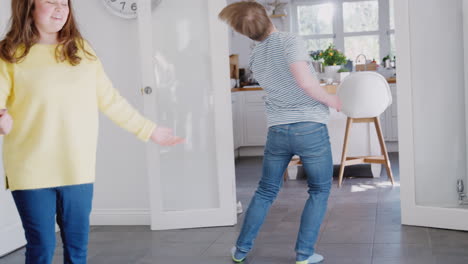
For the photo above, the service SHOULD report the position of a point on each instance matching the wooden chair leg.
(349, 122)
(384, 149)
(286, 175)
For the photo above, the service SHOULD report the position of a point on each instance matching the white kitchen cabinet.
(251, 130)
(249, 118)
(389, 118)
(394, 115)
(255, 130)
(254, 117)
(237, 124)
(250, 124)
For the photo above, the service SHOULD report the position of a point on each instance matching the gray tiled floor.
(362, 226)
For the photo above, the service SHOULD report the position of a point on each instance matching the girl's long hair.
(23, 34)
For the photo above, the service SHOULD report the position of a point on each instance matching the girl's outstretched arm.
(113, 105)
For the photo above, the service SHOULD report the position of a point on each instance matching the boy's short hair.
(249, 18)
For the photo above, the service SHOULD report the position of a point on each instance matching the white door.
(184, 54)
(432, 110)
(11, 231)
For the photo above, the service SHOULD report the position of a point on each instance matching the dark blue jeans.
(310, 141)
(40, 208)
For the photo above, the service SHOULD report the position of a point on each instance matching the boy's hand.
(6, 122)
(335, 102)
(164, 136)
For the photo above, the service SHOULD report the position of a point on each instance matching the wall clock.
(126, 8)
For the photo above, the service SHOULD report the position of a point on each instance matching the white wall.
(438, 99)
(4, 15)
(121, 192)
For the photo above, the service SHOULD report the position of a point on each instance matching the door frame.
(411, 212)
(225, 215)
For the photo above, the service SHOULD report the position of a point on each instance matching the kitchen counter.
(330, 88)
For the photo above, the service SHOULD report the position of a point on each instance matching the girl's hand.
(164, 136)
(6, 122)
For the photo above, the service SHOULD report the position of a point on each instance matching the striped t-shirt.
(285, 102)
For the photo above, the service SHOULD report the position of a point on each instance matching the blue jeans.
(310, 141)
(39, 208)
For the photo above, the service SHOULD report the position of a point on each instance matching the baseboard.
(120, 217)
(392, 146)
(251, 151)
(236, 153)
(12, 238)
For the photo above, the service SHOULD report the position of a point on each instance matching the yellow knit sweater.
(55, 109)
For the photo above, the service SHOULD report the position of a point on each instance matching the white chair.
(364, 96)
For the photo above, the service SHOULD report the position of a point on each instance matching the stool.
(383, 159)
(364, 96)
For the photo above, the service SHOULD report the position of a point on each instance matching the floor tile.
(362, 226)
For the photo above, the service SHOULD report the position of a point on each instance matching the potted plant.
(333, 59)
(317, 61)
(386, 61)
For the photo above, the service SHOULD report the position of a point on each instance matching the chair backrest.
(364, 94)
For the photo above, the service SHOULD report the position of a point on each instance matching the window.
(361, 29)
(316, 24)
(392, 13)
(360, 16)
(392, 45)
(315, 19)
(391, 32)
(367, 45)
(318, 44)
(354, 26)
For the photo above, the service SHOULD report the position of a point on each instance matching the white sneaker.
(239, 208)
(315, 258)
(233, 253)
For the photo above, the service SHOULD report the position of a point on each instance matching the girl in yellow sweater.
(52, 87)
